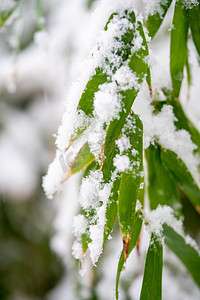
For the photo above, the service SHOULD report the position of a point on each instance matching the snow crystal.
(123, 143)
(188, 4)
(77, 250)
(79, 225)
(121, 162)
(107, 102)
(90, 187)
(154, 6)
(125, 78)
(95, 247)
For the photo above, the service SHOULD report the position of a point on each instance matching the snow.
(122, 163)
(165, 215)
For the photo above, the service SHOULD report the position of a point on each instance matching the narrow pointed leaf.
(155, 19)
(152, 280)
(162, 188)
(178, 48)
(86, 102)
(184, 251)
(182, 175)
(139, 67)
(130, 179)
(195, 25)
(137, 225)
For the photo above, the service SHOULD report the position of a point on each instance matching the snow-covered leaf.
(155, 19)
(131, 178)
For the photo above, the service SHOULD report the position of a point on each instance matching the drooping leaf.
(137, 224)
(178, 47)
(131, 178)
(162, 188)
(184, 251)
(152, 280)
(139, 67)
(182, 175)
(195, 25)
(86, 102)
(82, 160)
(155, 20)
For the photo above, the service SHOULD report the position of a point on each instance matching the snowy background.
(37, 69)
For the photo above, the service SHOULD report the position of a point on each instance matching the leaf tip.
(126, 242)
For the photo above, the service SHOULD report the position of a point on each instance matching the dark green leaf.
(184, 251)
(178, 48)
(152, 280)
(137, 224)
(195, 25)
(162, 188)
(155, 20)
(131, 179)
(181, 174)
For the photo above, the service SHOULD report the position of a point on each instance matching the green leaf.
(111, 210)
(152, 280)
(139, 67)
(162, 188)
(195, 25)
(155, 20)
(87, 99)
(178, 47)
(137, 225)
(86, 102)
(184, 251)
(82, 160)
(182, 175)
(131, 178)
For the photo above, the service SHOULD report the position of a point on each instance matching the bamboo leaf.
(86, 102)
(130, 179)
(137, 224)
(152, 280)
(182, 175)
(195, 25)
(155, 20)
(184, 251)
(178, 47)
(82, 160)
(162, 188)
(139, 67)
